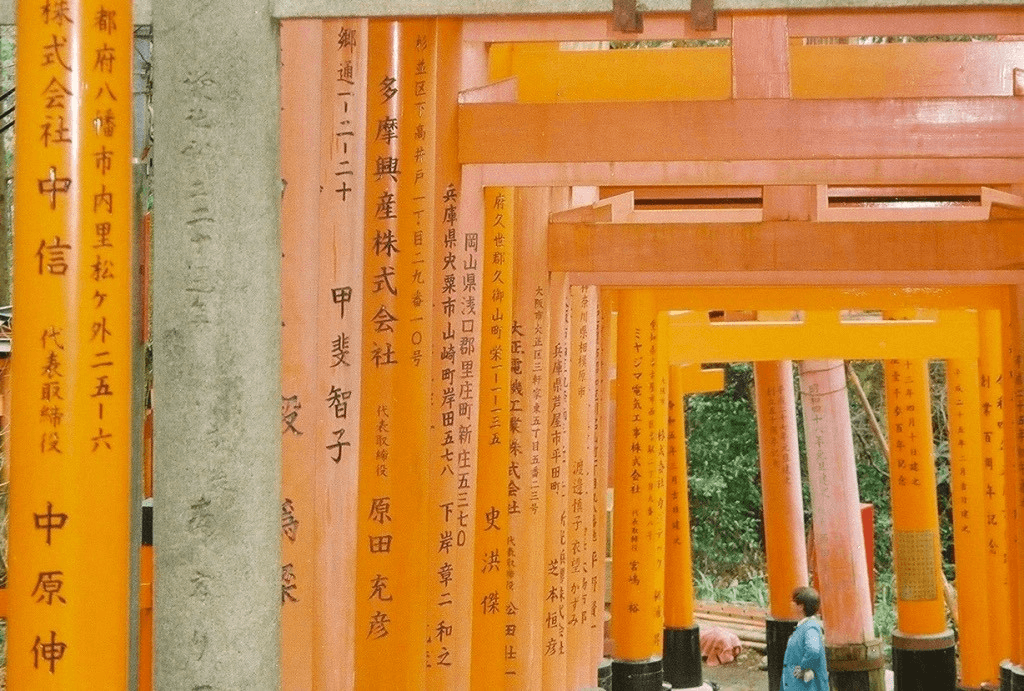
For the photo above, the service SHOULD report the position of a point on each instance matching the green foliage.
(725, 490)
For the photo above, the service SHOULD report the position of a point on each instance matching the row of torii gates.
(486, 240)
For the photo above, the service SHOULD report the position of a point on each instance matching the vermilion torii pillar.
(855, 658)
(71, 409)
(782, 498)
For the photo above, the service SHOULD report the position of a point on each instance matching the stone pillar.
(855, 659)
(217, 323)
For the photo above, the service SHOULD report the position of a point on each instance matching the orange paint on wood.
(529, 405)
(968, 489)
(146, 618)
(755, 129)
(583, 509)
(450, 565)
(1012, 453)
(556, 483)
(300, 154)
(605, 448)
(990, 372)
(678, 556)
(71, 372)
(760, 56)
(841, 573)
(338, 308)
(917, 559)
(781, 488)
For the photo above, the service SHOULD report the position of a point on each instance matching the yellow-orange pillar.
(990, 373)
(490, 597)
(854, 654)
(301, 61)
(638, 572)
(390, 589)
(529, 442)
(783, 504)
(1011, 338)
(449, 572)
(71, 407)
(605, 448)
(556, 488)
(339, 292)
(923, 647)
(1016, 430)
(580, 668)
(969, 541)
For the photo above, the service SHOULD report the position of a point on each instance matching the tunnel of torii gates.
(500, 255)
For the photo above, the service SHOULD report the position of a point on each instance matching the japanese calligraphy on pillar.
(556, 550)
(528, 405)
(300, 130)
(340, 298)
(582, 508)
(71, 408)
(490, 595)
(390, 613)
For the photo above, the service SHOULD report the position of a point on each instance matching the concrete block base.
(682, 660)
(645, 675)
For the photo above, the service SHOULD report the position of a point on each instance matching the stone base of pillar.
(1005, 676)
(1017, 678)
(924, 663)
(856, 667)
(604, 675)
(682, 660)
(777, 633)
(645, 675)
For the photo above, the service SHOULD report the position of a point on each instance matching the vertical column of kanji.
(682, 635)
(968, 485)
(389, 612)
(990, 372)
(339, 300)
(300, 152)
(528, 442)
(922, 646)
(69, 511)
(658, 476)
(782, 498)
(556, 488)
(637, 619)
(1015, 323)
(580, 670)
(448, 572)
(491, 564)
(1011, 346)
(604, 449)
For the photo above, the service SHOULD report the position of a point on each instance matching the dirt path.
(740, 675)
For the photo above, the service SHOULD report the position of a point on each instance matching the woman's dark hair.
(807, 597)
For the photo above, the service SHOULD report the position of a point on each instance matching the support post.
(782, 497)
(71, 430)
(968, 484)
(923, 654)
(855, 659)
(681, 647)
(637, 558)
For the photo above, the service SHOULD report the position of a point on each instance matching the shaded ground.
(740, 675)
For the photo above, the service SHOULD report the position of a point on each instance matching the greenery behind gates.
(725, 485)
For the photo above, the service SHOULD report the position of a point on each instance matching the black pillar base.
(924, 663)
(637, 676)
(859, 667)
(1005, 675)
(604, 675)
(1017, 678)
(777, 633)
(681, 661)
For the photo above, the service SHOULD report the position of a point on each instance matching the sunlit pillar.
(782, 497)
(637, 559)
(855, 658)
(990, 373)
(491, 562)
(71, 407)
(969, 541)
(1015, 495)
(605, 449)
(922, 647)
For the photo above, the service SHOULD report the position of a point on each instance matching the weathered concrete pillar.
(855, 660)
(216, 334)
